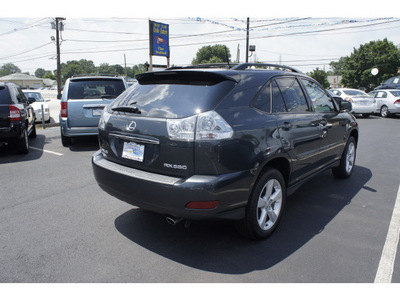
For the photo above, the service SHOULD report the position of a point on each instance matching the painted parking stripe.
(47, 151)
(386, 264)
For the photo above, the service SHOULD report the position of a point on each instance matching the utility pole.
(247, 40)
(58, 24)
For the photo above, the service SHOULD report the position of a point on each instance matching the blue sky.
(305, 35)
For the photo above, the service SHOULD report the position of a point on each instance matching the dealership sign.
(159, 39)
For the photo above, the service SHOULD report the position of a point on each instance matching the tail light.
(205, 126)
(397, 102)
(64, 109)
(15, 113)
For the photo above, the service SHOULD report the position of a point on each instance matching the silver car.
(362, 103)
(82, 102)
(387, 102)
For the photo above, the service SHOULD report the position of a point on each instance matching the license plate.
(97, 112)
(133, 151)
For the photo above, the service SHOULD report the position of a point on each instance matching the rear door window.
(292, 94)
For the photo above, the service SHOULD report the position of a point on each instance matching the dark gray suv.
(201, 143)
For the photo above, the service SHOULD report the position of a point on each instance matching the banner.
(159, 39)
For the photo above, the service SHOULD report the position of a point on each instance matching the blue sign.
(159, 39)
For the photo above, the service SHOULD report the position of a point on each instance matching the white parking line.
(386, 264)
(47, 151)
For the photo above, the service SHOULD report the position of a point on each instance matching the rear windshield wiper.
(130, 109)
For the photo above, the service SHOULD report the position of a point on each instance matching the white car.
(362, 103)
(387, 102)
(37, 105)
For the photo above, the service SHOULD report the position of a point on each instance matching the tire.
(65, 140)
(265, 206)
(23, 143)
(384, 111)
(347, 161)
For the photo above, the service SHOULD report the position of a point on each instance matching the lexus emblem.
(131, 126)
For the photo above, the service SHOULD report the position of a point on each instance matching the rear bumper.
(77, 131)
(169, 195)
(10, 133)
(363, 109)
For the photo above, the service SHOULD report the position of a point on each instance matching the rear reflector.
(64, 109)
(202, 204)
(15, 113)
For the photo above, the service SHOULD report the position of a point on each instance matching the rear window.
(176, 95)
(95, 88)
(354, 93)
(4, 95)
(395, 93)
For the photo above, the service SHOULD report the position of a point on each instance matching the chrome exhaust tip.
(173, 220)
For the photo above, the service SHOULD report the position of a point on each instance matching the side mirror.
(345, 106)
(31, 100)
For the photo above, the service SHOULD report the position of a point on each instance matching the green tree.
(321, 76)
(8, 69)
(40, 72)
(110, 69)
(136, 69)
(212, 54)
(356, 69)
(75, 67)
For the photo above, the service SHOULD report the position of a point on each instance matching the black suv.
(201, 143)
(17, 117)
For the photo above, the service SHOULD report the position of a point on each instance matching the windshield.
(95, 88)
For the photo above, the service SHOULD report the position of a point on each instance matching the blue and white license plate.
(133, 151)
(97, 112)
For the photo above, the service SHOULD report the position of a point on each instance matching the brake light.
(15, 113)
(64, 109)
(397, 102)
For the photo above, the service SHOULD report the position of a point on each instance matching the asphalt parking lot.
(57, 225)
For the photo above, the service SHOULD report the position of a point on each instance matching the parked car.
(391, 83)
(222, 143)
(17, 117)
(82, 102)
(362, 103)
(37, 105)
(387, 102)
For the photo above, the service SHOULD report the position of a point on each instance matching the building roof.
(19, 76)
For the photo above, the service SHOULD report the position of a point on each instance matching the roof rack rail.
(203, 66)
(244, 66)
(235, 66)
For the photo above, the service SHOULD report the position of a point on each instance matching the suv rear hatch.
(150, 127)
(88, 96)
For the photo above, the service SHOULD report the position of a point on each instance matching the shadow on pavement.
(215, 246)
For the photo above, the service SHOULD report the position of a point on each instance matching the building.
(27, 81)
